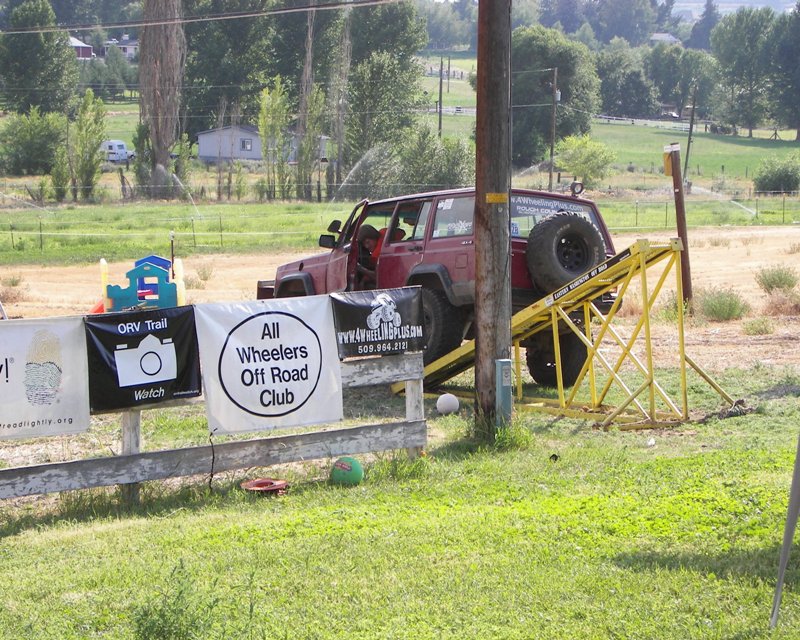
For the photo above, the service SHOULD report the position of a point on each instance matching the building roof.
(244, 127)
(74, 42)
(664, 37)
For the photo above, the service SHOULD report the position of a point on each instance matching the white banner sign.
(44, 389)
(269, 364)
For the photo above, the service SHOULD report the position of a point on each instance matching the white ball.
(447, 403)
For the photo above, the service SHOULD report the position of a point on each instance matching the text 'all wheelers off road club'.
(258, 365)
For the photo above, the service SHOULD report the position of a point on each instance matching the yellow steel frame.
(644, 405)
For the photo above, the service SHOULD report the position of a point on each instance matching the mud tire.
(541, 360)
(560, 248)
(443, 325)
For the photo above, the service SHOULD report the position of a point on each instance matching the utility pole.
(441, 73)
(691, 130)
(553, 127)
(492, 221)
(672, 167)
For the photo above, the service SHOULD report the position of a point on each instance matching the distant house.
(665, 38)
(239, 142)
(82, 50)
(128, 47)
(242, 142)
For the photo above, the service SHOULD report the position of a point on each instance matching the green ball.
(347, 471)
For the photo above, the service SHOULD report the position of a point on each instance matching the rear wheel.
(541, 359)
(560, 248)
(443, 325)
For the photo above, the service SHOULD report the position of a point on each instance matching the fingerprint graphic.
(43, 368)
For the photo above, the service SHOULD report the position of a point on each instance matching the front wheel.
(443, 325)
(541, 358)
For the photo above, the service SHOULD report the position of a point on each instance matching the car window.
(378, 215)
(454, 217)
(410, 221)
(527, 210)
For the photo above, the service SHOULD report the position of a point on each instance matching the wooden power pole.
(492, 222)
(672, 167)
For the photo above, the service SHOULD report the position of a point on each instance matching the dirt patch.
(726, 257)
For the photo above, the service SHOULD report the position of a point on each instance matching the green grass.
(666, 534)
(711, 156)
(86, 233)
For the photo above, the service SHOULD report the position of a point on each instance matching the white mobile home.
(238, 142)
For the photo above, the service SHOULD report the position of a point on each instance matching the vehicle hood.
(311, 263)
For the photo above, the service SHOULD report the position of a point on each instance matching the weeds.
(783, 303)
(758, 327)
(204, 271)
(793, 248)
(179, 612)
(776, 278)
(193, 282)
(751, 240)
(719, 242)
(513, 436)
(720, 305)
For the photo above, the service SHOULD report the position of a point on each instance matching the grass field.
(561, 531)
(83, 234)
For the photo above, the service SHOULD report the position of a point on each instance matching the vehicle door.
(451, 242)
(336, 275)
(378, 215)
(404, 243)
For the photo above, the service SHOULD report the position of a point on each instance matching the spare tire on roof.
(560, 248)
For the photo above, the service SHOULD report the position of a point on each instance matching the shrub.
(758, 327)
(778, 175)
(28, 143)
(776, 278)
(720, 305)
(783, 303)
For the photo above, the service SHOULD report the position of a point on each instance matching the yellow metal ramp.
(647, 402)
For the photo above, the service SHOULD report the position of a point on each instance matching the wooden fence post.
(131, 442)
(415, 408)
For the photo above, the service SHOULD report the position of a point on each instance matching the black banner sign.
(378, 322)
(142, 357)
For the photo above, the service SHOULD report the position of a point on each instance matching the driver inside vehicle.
(365, 267)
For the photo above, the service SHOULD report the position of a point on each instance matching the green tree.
(38, 69)
(273, 129)
(664, 68)
(60, 175)
(89, 133)
(785, 72)
(624, 88)
(535, 51)
(633, 20)
(585, 158)
(740, 43)
(700, 37)
(445, 27)
(427, 162)
(308, 150)
(384, 95)
(28, 143)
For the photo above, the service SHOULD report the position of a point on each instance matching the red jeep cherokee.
(427, 239)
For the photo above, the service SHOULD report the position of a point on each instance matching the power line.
(341, 4)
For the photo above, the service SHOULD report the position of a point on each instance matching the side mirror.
(334, 226)
(327, 241)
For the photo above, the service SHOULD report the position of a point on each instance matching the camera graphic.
(152, 361)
